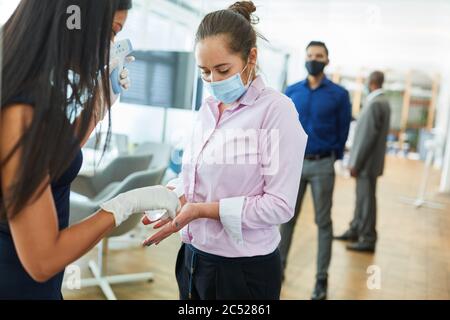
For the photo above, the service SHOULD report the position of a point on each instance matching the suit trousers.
(320, 175)
(365, 215)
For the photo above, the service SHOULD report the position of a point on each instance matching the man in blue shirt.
(325, 113)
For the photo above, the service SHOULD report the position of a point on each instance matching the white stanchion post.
(420, 200)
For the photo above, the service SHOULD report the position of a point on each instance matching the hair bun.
(245, 8)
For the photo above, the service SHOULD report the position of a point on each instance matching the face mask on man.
(229, 90)
(315, 67)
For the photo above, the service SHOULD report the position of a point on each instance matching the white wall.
(400, 34)
(6, 9)
(443, 131)
(445, 180)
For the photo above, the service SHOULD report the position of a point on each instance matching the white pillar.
(445, 178)
(442, 129)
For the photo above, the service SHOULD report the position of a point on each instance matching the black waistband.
(217, 258)
(319, 156)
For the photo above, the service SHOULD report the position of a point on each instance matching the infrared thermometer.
(120, 49)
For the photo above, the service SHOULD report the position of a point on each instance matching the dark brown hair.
(377, 78)
(125, 5)
(237, 23)
(318, 44)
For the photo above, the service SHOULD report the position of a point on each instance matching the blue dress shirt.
(325, 114)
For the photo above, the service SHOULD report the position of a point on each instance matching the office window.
(162, 79)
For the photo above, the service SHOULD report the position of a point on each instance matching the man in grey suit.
(367, 164)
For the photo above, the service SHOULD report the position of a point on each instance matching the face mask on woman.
(229, 90)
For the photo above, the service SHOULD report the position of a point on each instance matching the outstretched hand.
(188, 213)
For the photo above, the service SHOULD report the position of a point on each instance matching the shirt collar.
(325, 81)
(253, 92)
(374, 94)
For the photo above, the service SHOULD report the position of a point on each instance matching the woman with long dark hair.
(55, 89)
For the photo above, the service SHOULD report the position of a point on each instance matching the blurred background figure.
(367, 164)
(325, 114)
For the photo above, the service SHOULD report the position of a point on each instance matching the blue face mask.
(228, 90)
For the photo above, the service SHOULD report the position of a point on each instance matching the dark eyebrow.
(217, 66)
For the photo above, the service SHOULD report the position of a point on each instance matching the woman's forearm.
(73, 242)
(208, 210)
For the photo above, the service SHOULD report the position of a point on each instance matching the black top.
(15, 283)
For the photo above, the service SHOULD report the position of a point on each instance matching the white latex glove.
(125, 81)
(178, 189)
(141, 200)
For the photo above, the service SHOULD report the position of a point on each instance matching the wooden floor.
(413, 250)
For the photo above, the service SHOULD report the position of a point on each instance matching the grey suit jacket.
(369, 145)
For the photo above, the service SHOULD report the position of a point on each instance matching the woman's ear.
(253, 57)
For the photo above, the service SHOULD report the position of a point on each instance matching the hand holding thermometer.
(120, 50)
(155, 215)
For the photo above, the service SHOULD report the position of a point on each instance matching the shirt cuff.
(178, 185)
(230, 212)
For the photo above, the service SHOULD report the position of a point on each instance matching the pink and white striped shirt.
(250, 161)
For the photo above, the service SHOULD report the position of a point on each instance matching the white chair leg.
(100, 278)
(128, 278)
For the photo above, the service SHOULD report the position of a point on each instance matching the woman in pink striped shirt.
(241, 170)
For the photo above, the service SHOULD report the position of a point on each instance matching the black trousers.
(202, 276)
